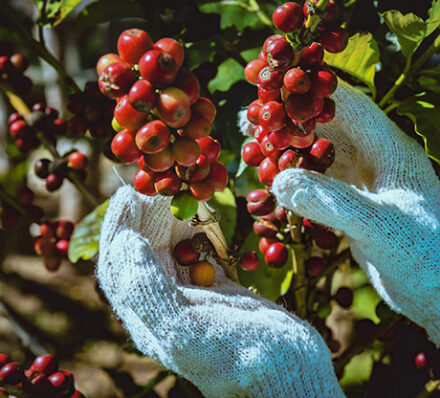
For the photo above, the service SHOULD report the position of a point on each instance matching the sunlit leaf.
(359, 59)
(224, 203)
(85, 239)
(433, 22)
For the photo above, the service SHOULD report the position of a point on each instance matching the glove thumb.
(327, 201)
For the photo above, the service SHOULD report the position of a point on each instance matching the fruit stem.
(314, 18)
(19, 105)
(298, 260)
(210, 223)
(260, 13)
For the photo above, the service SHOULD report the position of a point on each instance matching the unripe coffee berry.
(202, 273)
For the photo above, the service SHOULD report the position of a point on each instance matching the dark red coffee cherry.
(322, 154)
(167, 183)
(327, 240)
(334, 40)
(132, 44)
(210, 148)
(279, 54)
(158, 67)
(297, 81)
(249, 261)
(116, 79)
(267, 171)
(328, 111)
(185, 254)
(312, 55)
(53, 182)
(344, 297)
(315, 265)
(288, 17)
(142, 96)
(324, 83)
(264, 244)
(276, 255)
(270, 79)
(260, 202)
(421, 360)
(47, 364)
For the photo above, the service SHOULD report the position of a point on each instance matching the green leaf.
(55, 10)
(247, 182)
(423, 111)
(238, 14)
(198, 53)
(409, 29)
(229, 72)
(269, 282)
(85, 239)
(433, 22)
(224, 203)
(430, 79)
(359, 59)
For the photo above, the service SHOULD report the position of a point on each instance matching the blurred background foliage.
(64, 311)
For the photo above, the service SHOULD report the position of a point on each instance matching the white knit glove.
(383, 193)
(225, 339)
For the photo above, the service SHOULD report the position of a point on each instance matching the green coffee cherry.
(184, 206)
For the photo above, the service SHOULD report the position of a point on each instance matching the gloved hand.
(383, 193)
(225, 339)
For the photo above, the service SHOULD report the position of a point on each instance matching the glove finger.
(327, 201)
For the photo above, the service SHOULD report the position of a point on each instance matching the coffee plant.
(205, 102)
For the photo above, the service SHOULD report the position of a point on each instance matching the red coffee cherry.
(270, 79)
(77, 160)
(142, 96)
(297, 81)
(194, 173)
(132, 44)
(48, 229)
(300, 107)
(128, 117)
(269, 150)
(153, 137)
(219, 176)
(252, 70)
(103, 62)
(264, 244)
(268, 95)
(173, 107)
(202, 273)
(268, 41)
(25, 196)
(158, 162)
(265, 228)
(4, 359)
(204, 106)
(319, 106)
(312, 55)
(189, 84)
(260, 202)
(344, 297)
(334, 40)
(62, 248)
(197, 127)
(253, 111)
(124, 146)
(276, 255)
(281, 214)
(19, 129)
(144, 182)
(185, 254)
(279, 54)
(328, 111)
(280, 139)
(315, 265)
(158, 67)
(322, 154)
(210, 148)
(60, 382)
(171, 47)
(421, 360)
(260, 133)
(116, 79)
(53, 182)
(249, 261)
(11, 373)
(185, 151)
(202, 190)
(13, 117)
(313, 229)
(290, 159)
(40, 384)
(267, 171)
(324, 83)
(288, 17)
(272, 116)
(167, 183)
(64, 230)
(77, 394)
(252, 154)
(327, 240)
(47, 364)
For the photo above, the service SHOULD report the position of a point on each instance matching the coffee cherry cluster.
(54, 172)
(42, 379)
(92, 112)
(11, 72)
(53, 242)
(162, 122)
(187, 253)
(10, 217)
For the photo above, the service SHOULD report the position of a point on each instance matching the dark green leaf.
(409, 29)
(224, 203)
(238, 14)
(423, 111)
(359, 59)
(433, 22)
(198, 53)
(430, 79)
(228, 73)
(247, 182)
(269, 282)
(85, 239)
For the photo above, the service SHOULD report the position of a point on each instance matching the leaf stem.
(260, 13)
